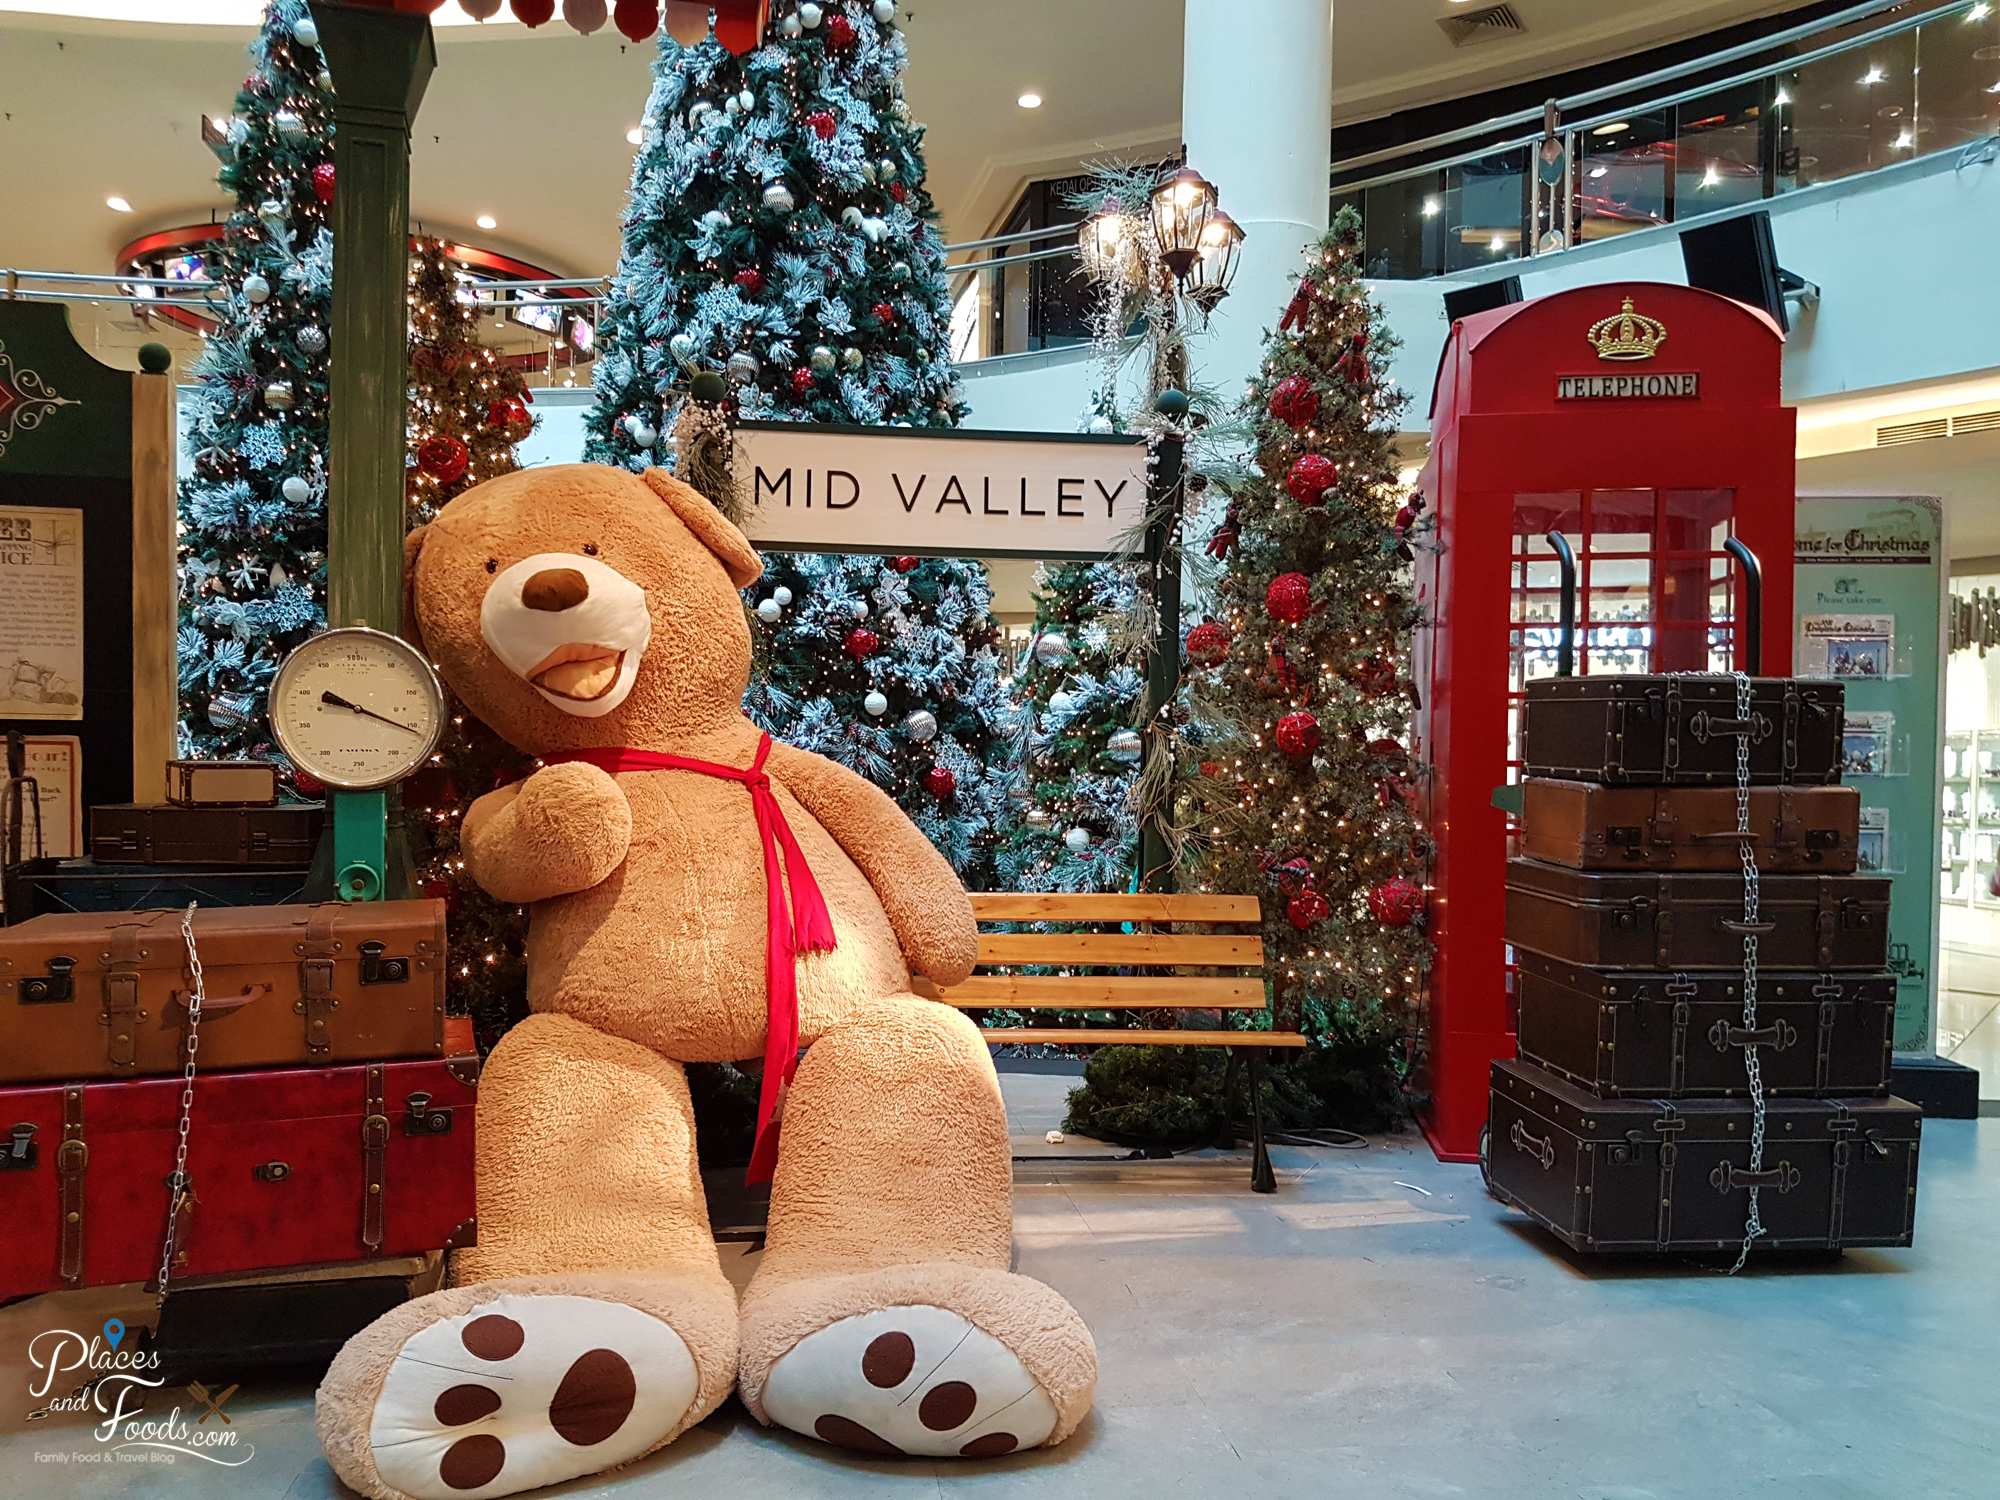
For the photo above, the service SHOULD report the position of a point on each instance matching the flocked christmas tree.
(1310, 799)
(253, 508)
(467, 410)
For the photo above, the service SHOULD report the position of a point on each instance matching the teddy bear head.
(580, 605)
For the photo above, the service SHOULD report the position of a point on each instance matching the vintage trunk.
(1611, 1175)
(138, 834)
(1589, 826)
(1679, 730)
(1626, 1031)
(1643, 920)
(106, 996)
(291, 1167)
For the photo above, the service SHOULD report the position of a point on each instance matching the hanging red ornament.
(905, 564)
(1297, 733)
(1289, 598)
(750, 279)
(821, 121)
(839, 32)
(940, 783)
(802, 380)
(1353, 363)
(445, 459)
(1396, 902)
(1307, 909)
(637, 19)
(884, 314)
(323, 182)
(1309, 477)
(532, 13)
(307, 784)
(1294, 401)
(861, 642)
(1207, 644)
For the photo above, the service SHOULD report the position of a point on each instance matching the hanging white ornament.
(296, 490)
(1077, 839)
(883, 11)
(256, 288)
(770, 611)
(920, 724)
(778, 196)
(305, 32)
(1124, 745)
(876, 703)
(743, 367)
(1052, 648)
(809, 15)
(783, 595)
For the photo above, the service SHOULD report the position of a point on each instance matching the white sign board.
(947, 493)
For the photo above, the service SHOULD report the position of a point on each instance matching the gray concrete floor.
(1376, 1328)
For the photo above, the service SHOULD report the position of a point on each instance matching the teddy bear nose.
(555, 589)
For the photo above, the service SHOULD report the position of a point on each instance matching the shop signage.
(898, 489)
(1625, 387)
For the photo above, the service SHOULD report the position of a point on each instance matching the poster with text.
(41, 613)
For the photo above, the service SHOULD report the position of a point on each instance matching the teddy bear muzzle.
(572, 627)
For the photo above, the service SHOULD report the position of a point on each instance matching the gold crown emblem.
(1627, 335)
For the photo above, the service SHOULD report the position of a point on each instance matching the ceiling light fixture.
(487, 221)
(1030, 101)
(117, 204)
(635, 135)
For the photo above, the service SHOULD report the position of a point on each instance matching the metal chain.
(197, 994)
(1752, 1064)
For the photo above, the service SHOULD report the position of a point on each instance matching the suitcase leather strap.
(1842, 1125)
(121, 994)
(374, 1151)
(1668, 1127)
(72, 1160)
(317, 1002)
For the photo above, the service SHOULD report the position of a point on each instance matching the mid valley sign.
(953, 494)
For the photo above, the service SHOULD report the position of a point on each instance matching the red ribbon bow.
(807, 927)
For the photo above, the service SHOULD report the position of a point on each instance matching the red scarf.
(806, 928)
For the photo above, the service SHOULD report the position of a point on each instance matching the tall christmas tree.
(467, 411)
(1310, 798)
(253, 509)
(777, 230)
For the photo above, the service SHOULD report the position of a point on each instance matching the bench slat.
(1093, 992)
(1112, 1036)
(1024, 906)
(1118, 948)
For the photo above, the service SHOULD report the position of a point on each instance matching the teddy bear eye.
(492, 564)
(590, 549)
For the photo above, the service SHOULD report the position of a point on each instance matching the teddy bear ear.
(710, 527)
(413, 543)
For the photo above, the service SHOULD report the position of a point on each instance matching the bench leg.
(1262, 1178)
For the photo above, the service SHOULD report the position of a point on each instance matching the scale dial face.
(357, 708)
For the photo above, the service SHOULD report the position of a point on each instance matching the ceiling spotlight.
(487, 221)
(117, 204)
(1030, 101)
(635, 135)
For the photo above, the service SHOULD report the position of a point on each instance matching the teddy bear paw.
(909, 1380)
(525, 1391)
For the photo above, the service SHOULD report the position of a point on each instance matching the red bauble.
(445, 459)
(898, 191)
(308, 785)
(905, 564)
(802, 380)
(1207, 644)
(940, 783)
(839, 33)
(822, 123)
(323, 182)
(1294, 401)
(1309, 475)
(884, 314)
(1297, 733)
(861, 642)
(1306, 909)
(750, 279)
(1396, 902)
(1289, 598)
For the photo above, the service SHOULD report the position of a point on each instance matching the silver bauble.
(743, 367)
(770, 611)
(1052, 648)
(822, 359)
(1124, 745)
(809, 15)
(278, 395)
(920, 724)
(1077, 839)
(305, 32)
(884, 11)
(876, 703)
(256, 288)
(296, 490)
(782, 594)
(778, 196)
(312, 338)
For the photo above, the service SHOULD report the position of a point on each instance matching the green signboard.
(1869, 600)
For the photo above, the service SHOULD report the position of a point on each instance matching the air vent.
(1976, 421)
(1912, 432)
(1486, 25)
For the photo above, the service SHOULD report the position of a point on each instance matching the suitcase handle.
(1753, 604)
(1566, 618)
(1744, 927)
(1543, 1150)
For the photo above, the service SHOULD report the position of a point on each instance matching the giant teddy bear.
(697, 893)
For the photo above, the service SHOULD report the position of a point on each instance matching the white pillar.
(1256, 114)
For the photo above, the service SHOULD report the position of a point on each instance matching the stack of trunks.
(327, 1118)
(1679, 858)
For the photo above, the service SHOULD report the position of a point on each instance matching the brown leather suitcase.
(1680, 730)
(1589, 826)
(1632, 1174)
(1672, 1036)
(133, 833)
(1642, 919)
(105, 995)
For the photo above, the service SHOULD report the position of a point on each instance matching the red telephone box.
(1644, 422)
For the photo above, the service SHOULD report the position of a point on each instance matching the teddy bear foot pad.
(911, 1380)
(525, 1391)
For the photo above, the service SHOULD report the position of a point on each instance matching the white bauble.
(876, 704)
(920, 724)
(1077, 839)
(782, 594)
(770, 611)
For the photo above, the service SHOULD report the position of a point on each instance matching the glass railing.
(1870, 87)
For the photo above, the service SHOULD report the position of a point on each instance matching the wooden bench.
(1221, 968)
